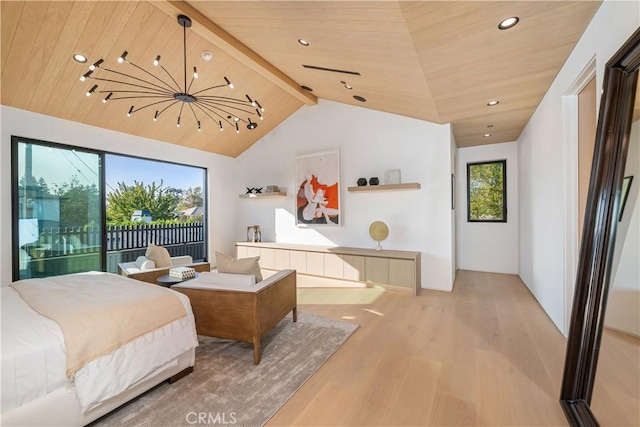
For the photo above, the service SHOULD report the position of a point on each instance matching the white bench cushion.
(197, 283)
(220, 281)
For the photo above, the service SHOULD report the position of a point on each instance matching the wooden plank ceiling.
(436, 61)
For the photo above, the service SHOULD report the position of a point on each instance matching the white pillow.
(144, 263)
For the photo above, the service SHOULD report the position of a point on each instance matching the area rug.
(226, 388)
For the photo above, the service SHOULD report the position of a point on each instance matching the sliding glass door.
(58, 204)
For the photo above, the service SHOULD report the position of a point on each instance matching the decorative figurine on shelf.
(272, 189)
(254, 234)
(249, 190)
(362, 182)
(258, 190)
(374, 180)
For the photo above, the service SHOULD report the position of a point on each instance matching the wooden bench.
(243, 314)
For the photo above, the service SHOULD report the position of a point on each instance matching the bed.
(38, 385)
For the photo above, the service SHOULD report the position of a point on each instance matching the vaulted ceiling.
(432, 60)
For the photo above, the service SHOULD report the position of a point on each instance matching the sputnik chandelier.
(164, 93)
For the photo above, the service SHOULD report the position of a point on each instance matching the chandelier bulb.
(221, 128)
(90, 91)
(96, 64)
(122, 57)
(260, 106)
(86, 75)
(195, 73)
(130, 111)
(155, 117)
(104, 101)
(156, 61)
(259, 115)
(236, 119)
(178, 124)
(228, 83)
(237, 128)
(199, 126)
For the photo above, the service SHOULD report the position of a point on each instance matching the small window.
(487, 191)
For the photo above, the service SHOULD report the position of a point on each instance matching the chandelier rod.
(209, 115)
(212, 87)
(212, 107)
(154, 103)
(166, 98)
(135, 78)
(219, 106)
(184, 50)
(130, 84)
(152, 75)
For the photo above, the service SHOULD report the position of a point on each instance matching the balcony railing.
(74, 249)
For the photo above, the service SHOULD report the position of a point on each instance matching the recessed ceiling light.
(348, 86)
(307, 88)
(508, 23)
(486, 135)
(492, 103)
(359, 98)
(303, 42)
(78, 57)
(207, 56)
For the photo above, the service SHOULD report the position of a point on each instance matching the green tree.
(486, 191)
(191, 197)
(160, 201)
(79, 204)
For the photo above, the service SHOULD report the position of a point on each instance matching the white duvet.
(34, 359)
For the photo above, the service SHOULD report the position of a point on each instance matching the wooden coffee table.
(168, 280)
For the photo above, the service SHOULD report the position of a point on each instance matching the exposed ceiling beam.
(225, 41)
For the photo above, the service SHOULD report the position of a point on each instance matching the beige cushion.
(227, 264)
(159, 255)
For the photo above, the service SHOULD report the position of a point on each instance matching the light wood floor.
(484, 354)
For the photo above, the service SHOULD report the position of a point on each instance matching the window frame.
(503, 162)
(15, 140)
(15, 178)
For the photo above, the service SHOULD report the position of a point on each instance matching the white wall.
(623, 307)
(483, 246)
(222, 196)
(370, 142)
(543, 172)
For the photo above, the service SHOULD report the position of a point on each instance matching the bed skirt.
(62, 408)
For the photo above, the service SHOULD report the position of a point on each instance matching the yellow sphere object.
(378, 231)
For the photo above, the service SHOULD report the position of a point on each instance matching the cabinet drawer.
(402, 272)
(241, 252)
(298, 261)
(267, 258)
(353, 267)
(333, 266)
(315, 263)
(281, 259)
(377, 270)
(251, 252)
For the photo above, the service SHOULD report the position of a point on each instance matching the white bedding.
(34, 359)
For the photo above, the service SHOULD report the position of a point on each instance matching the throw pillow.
(159, 255)
(227, 264)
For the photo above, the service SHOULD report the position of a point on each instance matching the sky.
(59, 166)
(129, 169)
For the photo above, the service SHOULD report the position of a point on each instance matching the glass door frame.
(15, 245)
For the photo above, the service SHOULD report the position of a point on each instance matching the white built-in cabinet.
(395, 270)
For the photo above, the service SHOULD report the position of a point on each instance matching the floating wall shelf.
(263, 195)
(407, 186)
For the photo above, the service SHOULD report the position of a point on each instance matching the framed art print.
(317, 185)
